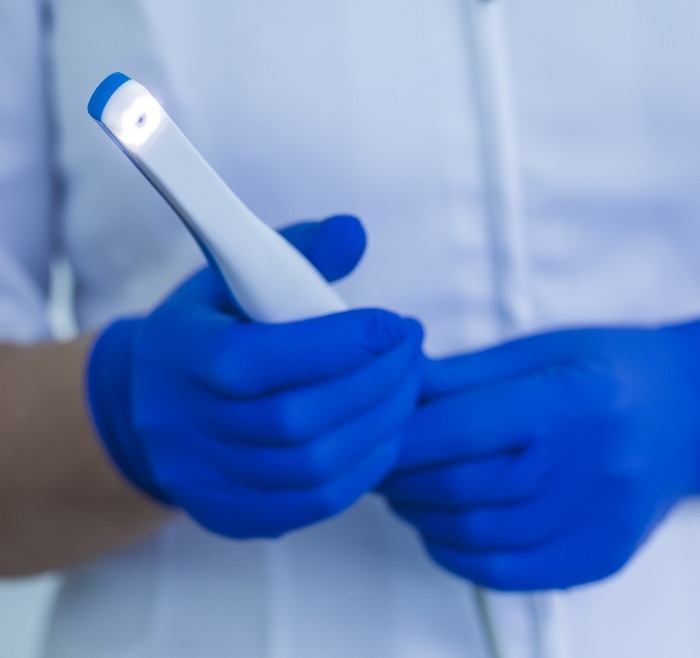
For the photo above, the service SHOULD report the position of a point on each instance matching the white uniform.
(518, 165)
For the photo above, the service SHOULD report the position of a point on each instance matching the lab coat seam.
(502, 194)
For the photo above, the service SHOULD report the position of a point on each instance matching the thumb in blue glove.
(254, 429)
(546, 462)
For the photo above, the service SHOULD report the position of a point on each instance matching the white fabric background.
(24, 605)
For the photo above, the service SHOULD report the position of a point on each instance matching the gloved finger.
(525, 524)
(237, 511)
(304, 413)
(316, 462)
(250, 360)
(205, 288)
(478, 423)
(518, 358)
(572, 559)
(503, 478)
(334, 246)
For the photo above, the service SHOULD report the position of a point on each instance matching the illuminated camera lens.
(140, 121)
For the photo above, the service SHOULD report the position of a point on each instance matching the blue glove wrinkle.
(323, 349)
(315, 462)
(304, 412)
(516, 359)
(268, 514)
(486, 415)
(462, 484)
(529, 522)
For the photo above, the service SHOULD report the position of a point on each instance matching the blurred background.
(25, 603)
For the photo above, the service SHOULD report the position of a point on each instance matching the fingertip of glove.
(385, 330)
(414, 329)
(349, 226)
(340, 246)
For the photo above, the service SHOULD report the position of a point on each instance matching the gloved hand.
(257, 429)
(546, 462)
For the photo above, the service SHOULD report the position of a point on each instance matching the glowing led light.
(140, 121)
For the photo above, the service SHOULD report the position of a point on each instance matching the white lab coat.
(518, 165)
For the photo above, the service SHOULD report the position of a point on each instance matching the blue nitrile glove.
(546, 462)
(257, 429)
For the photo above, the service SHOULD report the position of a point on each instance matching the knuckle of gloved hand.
(317, 465)
(623, 477)
(636, 517)
(486, 569)
(325, 502)
(229, 526)
(247, 527)
(238, 381)
(524, 479)
(474, 529)
(292, 421)
(242, 519)
(271, 530)
(453, 491)
(449, 488)
(382, 332)
(612, 555)
(495, 572)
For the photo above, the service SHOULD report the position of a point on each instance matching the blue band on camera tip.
(103, 93)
